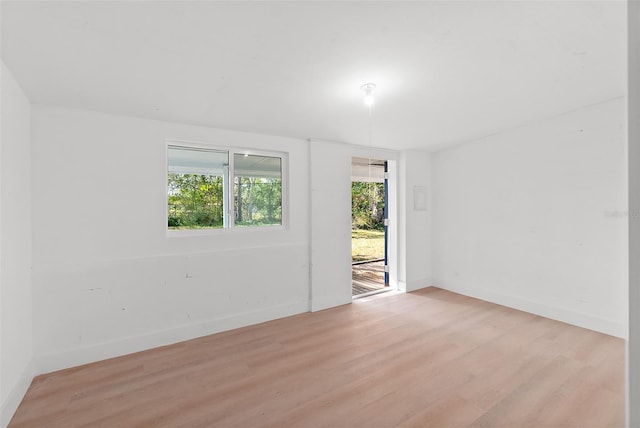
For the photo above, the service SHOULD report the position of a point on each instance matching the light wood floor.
(430, 358)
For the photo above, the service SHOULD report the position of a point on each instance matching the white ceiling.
(447, 72)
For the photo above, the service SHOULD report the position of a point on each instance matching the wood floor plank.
(431, 358)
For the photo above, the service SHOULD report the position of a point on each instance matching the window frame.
(228, 204)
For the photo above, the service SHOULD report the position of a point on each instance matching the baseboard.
(49, 362)
(327, 302)
(590, 322)
(15, 396)
(413, 285)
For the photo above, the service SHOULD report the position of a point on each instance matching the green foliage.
(367, 221)
(367, 205)
(195, 201)
(258, 201)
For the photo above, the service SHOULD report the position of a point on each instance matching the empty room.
(192, 194)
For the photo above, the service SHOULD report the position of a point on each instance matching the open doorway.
(369, 226)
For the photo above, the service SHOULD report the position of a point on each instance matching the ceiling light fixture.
(368, 93)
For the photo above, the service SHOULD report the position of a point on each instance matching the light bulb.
(368, 93)
(368, 100)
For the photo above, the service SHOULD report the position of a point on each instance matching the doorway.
(369, 226)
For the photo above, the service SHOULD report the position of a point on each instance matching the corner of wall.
(513, 234)
(16, 394)
(415, 285)
(16, 294)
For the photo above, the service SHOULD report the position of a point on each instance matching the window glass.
(257, 190)
(196, 188)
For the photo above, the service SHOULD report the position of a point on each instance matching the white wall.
(16, 340)
(415, 240)
(535, 218)
(107, 280)
(330, 170)
(633, 113)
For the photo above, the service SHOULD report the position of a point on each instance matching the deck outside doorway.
(367, 277)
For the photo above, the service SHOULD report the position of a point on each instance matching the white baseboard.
(415, 284)
(49, 362)
(590, 322)
(327, 302)
(15, 396)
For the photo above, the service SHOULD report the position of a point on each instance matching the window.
(199, 184)
(257, 190)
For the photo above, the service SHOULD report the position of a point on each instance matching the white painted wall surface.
(415, 240)
(534, 218)
(16, 339)
(330, 224)
(107, 280)
(633, 113)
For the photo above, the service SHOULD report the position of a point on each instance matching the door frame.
(391, 159)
